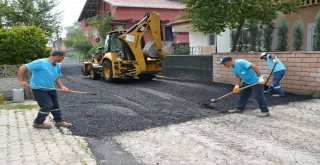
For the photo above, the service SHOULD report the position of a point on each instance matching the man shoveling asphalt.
(46, 72)
(278, 73)
(249, 74)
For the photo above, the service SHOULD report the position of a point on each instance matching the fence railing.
(8, 71)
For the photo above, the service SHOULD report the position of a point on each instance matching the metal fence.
(73, 58)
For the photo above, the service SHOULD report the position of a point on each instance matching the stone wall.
(303, 70)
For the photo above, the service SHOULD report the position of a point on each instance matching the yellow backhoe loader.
(125, 53)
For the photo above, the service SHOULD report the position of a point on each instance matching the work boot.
(63, 124)
(234, 111)
(42, 125)
(264, 114)
(277, 95)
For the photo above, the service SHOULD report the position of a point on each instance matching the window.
(212, 39)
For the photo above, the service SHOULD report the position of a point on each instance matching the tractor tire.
(107, 71)
(84, 70)
(93, 73)
(146, 77)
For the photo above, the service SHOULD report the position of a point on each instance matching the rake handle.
(239, 91)
(59, 89)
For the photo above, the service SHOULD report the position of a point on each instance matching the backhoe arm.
(150, 23)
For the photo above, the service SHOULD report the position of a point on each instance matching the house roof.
(91, 6)
(89, 9)
(158, 4)
(179, 22)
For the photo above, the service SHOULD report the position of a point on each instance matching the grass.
(18, 106)
(315, 95)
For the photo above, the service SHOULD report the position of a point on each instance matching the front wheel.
(107, 71)
(93, 73)
(146, 77)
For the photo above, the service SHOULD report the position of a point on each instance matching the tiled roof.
(159, 4)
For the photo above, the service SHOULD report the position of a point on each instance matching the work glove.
(236, 89)
(275, 61)
(261, 80)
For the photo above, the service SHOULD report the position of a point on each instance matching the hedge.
(22, 44)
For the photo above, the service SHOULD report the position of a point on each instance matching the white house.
(203, 44)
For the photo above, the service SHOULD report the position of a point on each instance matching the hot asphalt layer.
(132, 105)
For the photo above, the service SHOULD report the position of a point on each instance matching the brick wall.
(303, 70)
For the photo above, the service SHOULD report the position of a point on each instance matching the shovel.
(266, 87)
(79, 92)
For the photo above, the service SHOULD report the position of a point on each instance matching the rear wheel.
(93, 73)
(146, 77)
(107, 71)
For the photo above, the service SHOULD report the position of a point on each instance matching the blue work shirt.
(243, 70)
(279, 66)
(43, 73)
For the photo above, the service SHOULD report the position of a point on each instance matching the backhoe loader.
(125, 53)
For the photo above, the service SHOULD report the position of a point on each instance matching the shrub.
(298, 35)
(316, 46)
(267, 35)
(283, 35)
(22, 44)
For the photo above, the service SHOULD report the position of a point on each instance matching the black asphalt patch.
(133, 105)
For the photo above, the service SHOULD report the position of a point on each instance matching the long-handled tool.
(266, 87)
(79, 92)
(215, 100)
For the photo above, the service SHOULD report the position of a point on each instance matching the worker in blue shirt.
(46, 73)
(246, 74)
(278, 73)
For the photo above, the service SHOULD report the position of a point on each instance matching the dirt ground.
(163, 122)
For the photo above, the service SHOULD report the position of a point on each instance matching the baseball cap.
(225, 59)
(263, 54)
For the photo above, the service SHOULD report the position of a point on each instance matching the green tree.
(38, 13)
(282, 35)
(102, 23)
(215, 16)
(298, 35)
(316, 46)
(267, 35)
(75, 39)
(16, 48)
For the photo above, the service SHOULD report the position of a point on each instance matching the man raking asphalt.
(247, 75)
(46, 73)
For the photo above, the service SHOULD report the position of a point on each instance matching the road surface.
(164, 122)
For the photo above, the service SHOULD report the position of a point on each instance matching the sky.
(71, 10)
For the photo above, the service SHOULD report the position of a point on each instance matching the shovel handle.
(274, 66)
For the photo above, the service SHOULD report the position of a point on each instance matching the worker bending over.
(246, 74)
(46, 73)
(278, 73)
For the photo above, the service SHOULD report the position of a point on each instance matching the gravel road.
(163, 121)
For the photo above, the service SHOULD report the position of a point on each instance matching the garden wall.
(303, 70)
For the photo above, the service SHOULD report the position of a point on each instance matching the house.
(202, 44)
(307, 14)
(125, 13)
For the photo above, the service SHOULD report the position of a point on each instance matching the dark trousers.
(275, 87)
(258, 91)
(48, 102)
